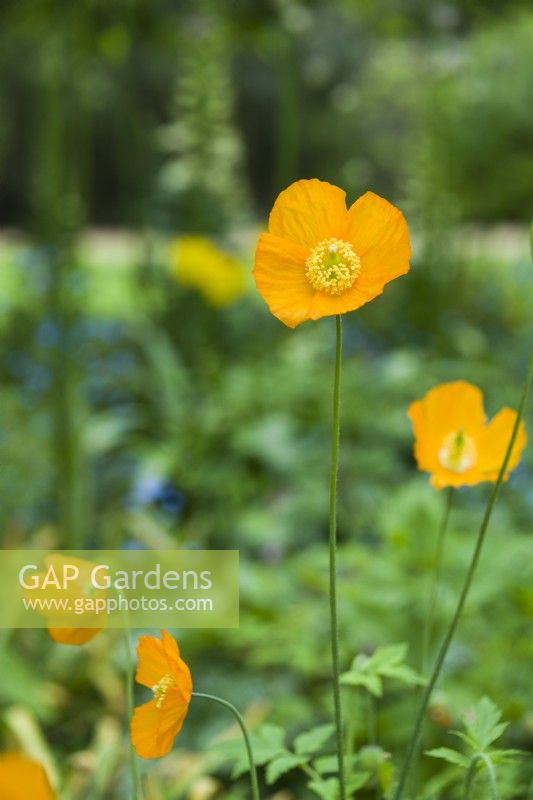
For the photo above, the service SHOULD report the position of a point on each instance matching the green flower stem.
(435, 580)
(335, 439)
(135, 771)
(415, 738)
(370, 716)
(491, 772)
(246, 736)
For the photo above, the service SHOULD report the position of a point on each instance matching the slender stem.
(370, 717)
(137, 784)
(335, 439)
(415, 738)
(427, 632)
(435, 580)
(491, 772)
(246, 736)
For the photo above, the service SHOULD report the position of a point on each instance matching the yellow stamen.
(332, 266)
(160, 689)
(458, 452)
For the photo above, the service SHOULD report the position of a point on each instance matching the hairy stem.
(491, 772)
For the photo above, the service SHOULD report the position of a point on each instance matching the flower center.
(160, 689)
(458, 452)
(332, 266)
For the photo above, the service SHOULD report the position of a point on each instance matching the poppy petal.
(279, 273)
(75, 636)
(441, 478)
(453, 406)
(178, 667)
(153, 661)
(380, 236)
(494, 441)
(20, 778)
(324, 305)
(154, 729)
(309, 211)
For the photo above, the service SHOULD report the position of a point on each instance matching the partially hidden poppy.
(201, 265)
(74, 636)
(161, 668)
(456, 443)
(78, 591)
(22, 778)
(320, 258)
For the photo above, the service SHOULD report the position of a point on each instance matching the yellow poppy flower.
(21, 778)
(197, 263)
(320, 258)
(455, 443)
(78, 590)
(156, 723)
(75, 636)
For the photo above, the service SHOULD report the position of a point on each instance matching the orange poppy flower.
(78, 591)
(74, 636)
(320, 258)
(455, 442)
(156, 723)
(20, 778)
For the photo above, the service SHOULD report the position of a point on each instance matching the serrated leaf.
(313, 740)
(386, 662)
(372, 683)
(269, 740)
(388, 656)
(466, 739)
(449, 755)
(500, 756)
(327, 765)
(483, 723)
(358, 780)
(267, 744)
(281, 765)
(326, 790)
(403, 674)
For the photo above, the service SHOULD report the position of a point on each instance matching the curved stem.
(435, 579)
(246, 736)
(335, 439)
(137, 785)
(491, 772)
(415, 738)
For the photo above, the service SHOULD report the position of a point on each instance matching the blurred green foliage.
(134, 415)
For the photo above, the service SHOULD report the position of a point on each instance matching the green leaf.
(449, 755)
(313, 740)
(403, 674)
(501, 756)
(21, 685)
(386, 662)
(388, 656)
(327, 765)
(483, 723)
(358, 780)
(326, 790)
(267, 744)
(281, 765)
(372, 683)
